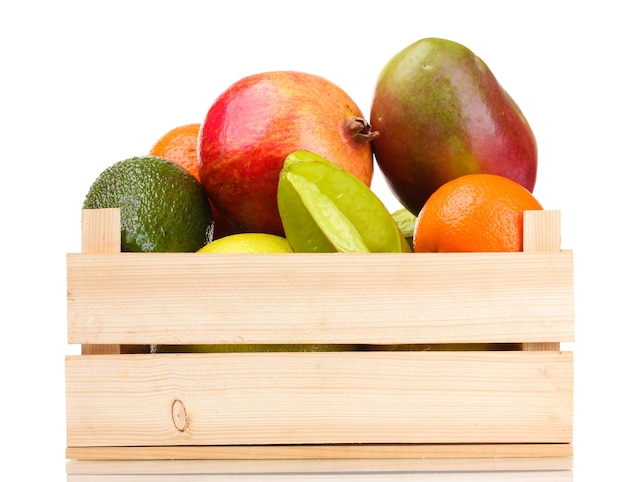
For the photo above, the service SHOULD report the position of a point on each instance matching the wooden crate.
(479, 371)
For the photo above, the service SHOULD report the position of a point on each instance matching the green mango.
(325, 209)
(440, 113)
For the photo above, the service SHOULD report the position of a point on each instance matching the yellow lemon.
(248, 243)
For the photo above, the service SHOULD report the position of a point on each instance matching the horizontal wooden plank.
(466, 469)
(146, 298)
(453, 457)
(319, 398)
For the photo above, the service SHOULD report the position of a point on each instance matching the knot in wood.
(179, 415)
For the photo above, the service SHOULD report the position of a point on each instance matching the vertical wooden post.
(101, 234)
(542, 233)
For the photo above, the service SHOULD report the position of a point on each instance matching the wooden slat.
(138, 298)
(315, 398)
(101, 231)
(101, 234)
(542, 231)
(374, 453)
(542, 234)
(409, 298)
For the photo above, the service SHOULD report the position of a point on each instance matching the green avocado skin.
(440, 114)
(163, 208)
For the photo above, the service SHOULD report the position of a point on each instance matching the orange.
(475, 212)
(179, 145)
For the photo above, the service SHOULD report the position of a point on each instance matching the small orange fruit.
(180, 145)
(474, 212)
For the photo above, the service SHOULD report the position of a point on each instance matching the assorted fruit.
(283, 163)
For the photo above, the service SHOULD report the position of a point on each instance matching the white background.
(86, 84)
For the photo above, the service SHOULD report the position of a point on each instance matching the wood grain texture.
(171, 298)
(335, 405)
(138, 298)
(101, 233)
(101, 230)
(542, 233)
(335, 457)
(320, 398)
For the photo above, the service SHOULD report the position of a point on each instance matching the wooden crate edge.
(330, 451)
